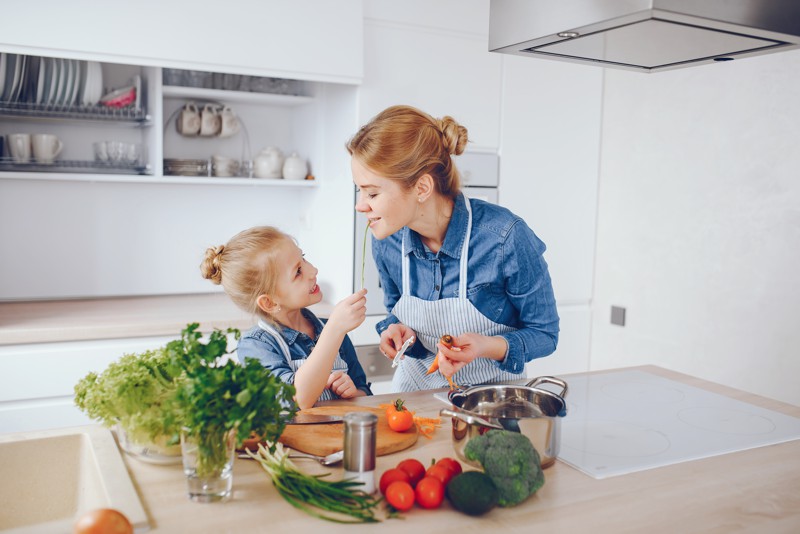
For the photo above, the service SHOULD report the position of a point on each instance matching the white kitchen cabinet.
(306, 39)
(37, 380)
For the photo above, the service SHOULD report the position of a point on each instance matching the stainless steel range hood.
(643, 35)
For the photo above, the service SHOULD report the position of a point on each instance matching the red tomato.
(414, 468)
(451, 464)
(400, 495)
(441, 472)
(429, 492)
(103, 521)
(398, 417)
(392, 475)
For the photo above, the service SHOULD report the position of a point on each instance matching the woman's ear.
(267, 305)
(424, 187)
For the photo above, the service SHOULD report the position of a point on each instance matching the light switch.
(618, 315)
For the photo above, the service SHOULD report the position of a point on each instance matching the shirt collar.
(291, 335)
(453, 238)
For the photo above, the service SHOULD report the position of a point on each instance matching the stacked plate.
(185, 167)
(50, 81)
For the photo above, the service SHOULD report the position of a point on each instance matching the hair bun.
(210, 268)
(455, 135)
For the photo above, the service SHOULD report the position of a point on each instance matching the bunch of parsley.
(217, 395)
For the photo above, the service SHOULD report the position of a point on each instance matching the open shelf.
(246, 97)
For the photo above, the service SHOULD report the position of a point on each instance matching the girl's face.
(296, 283)
(387, 206)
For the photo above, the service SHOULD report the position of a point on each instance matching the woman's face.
(387, 206)
(296, 283)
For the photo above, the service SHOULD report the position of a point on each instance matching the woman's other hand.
(466, 348)
(350, 312)
(393, 337)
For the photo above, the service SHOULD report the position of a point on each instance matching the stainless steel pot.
(534, 412)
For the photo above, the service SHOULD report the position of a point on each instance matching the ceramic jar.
(268, 163)
(295, 168)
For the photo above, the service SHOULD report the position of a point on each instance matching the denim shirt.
(260, 344)
(508, 280)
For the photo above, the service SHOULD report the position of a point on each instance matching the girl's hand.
(393, 337)
(340, 383)
(349, 312)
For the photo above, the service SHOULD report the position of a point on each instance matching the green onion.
(335, 501)
(364, 254)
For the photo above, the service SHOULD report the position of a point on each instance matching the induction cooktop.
(631, 420)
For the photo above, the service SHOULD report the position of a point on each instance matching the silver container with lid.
(360, 440)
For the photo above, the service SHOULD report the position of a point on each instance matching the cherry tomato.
(441, 472)
(414, 468)
(451, 464)
(400, 495)
(429, 492)
(398, 417)
(392, 475)
(103, 521)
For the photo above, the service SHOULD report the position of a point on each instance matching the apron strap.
(278, 337)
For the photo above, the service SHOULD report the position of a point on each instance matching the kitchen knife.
(313, 419)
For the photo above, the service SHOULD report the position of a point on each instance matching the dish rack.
(89, 113)
(63, 165)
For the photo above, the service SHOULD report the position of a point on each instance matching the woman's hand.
(349, 313)
(466, 348)
(340, 383)
(393, 337)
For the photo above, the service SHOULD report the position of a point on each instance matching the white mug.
(46, 147)
(188, 122)
(209, 121)
(229, 123)
(19, 146)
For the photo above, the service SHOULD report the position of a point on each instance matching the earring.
(279, 309)
(419, 199)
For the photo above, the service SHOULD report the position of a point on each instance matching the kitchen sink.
(52, 477)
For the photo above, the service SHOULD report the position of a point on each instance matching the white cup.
(188, 122)
(209, 121)
(229, 123)
(46, 147)
(19, 146)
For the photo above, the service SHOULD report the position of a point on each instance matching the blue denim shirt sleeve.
(530, 291)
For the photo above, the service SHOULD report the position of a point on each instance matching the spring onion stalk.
(337, 501)
(364, 254)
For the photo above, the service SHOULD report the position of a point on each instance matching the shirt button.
(436, 288)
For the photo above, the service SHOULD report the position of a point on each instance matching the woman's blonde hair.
(403, 143)
(246, 266)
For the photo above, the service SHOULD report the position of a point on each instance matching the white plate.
(19, 78)
(40, 81)
(11, 77)
(82, 72)
(69, 83)
(52, 80)
(98, 82)
(87, 80)
(3, 61)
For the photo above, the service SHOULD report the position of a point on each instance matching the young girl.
(264, 272)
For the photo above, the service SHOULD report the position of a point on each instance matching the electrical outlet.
(618, 315)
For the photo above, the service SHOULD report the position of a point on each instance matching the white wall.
(698, 231)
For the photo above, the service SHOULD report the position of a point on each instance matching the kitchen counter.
(757, 490)
(125, 317)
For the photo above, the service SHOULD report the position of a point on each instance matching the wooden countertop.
(127, 317)
(757, 490)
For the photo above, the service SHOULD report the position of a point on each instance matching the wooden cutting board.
(324, 439)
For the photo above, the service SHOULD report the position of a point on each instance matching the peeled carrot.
(447, 341)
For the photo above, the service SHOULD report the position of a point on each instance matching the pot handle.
(470, 419)
(549, 380)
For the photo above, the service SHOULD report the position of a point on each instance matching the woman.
(448, 264)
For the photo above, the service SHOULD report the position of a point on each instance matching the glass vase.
(208, 465)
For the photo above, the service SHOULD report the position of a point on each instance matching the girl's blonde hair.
(403, 143)
(245, 266)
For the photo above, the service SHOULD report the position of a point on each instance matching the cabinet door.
(439, 71)
(309, 39)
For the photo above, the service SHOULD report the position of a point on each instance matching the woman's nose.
(361, 205)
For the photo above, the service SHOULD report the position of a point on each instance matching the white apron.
(432, 319)
(338, 364)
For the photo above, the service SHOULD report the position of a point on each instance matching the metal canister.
(360, 439)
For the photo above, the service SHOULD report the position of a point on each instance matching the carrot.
(447, 341)
(427, 425)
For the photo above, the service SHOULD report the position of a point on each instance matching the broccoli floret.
(511, 462)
